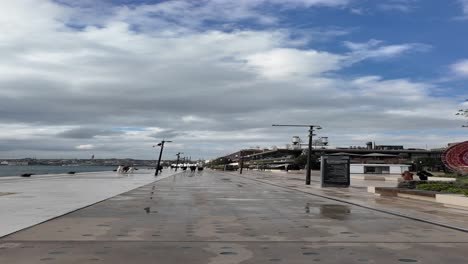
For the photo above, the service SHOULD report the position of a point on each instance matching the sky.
(114, 77)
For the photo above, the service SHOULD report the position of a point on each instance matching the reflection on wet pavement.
(215, 217)
(335, 211)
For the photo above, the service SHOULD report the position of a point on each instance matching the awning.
(379, 155)
(344, 154)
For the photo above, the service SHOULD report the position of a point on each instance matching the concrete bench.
(458, 201)
(407, 193)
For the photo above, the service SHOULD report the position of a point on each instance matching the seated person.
(407, 176)
(422, 175)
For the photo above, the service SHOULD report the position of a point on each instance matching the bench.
(406, 193)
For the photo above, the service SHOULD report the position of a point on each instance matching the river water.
(45, 169)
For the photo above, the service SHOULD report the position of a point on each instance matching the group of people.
(125, 169)
(423, 175)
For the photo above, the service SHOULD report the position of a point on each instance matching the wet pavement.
(357, 194)
(217, 217)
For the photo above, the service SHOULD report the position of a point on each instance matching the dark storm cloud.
(87, 133)
(167, 134)
(35, 144)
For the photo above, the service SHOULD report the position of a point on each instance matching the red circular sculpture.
(456, 157)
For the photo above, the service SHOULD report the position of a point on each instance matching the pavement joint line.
(461, 229)
(58, 216)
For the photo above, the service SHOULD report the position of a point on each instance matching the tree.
(301, 161)
(464, 113)
(434, 164)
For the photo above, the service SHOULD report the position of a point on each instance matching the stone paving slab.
(215, 217)
(230, 253)
(358, 194)
(40, 198)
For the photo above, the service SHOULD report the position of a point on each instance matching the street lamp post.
(178, 157)
(309, 153)
(241, 162)
(160, 155)
(183, 163)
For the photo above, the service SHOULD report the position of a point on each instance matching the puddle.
(228, 253)
(6, 193)
(46, 259)
(335, 211)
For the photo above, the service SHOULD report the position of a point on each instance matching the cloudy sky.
(113, 77)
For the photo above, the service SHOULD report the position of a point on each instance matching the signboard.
(335, 171)
(456, 158)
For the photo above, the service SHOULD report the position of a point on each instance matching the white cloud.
(193, 14)
(395, 7)
(403, 89)
(309, 3)
(85, 147)
(195, 119)
(358, 11)
(460, 68)
(281, 63)
(464, 10)
(374, 49)
(405, 6)
(464, 4)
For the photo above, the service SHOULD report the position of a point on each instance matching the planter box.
(428, 196)
(368, 177)
(458, 201)
(417, 197)
(442, 179)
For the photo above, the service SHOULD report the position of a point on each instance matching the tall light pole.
(309, 153)
(241, 162)
(183, 163)
(178, 157)
(160, 155)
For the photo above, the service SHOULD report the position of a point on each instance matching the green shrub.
(444, 187)
(463, 181)
(437, 187)
(408, 184)
(413, 184)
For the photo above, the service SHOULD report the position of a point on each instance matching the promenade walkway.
(216, 217)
